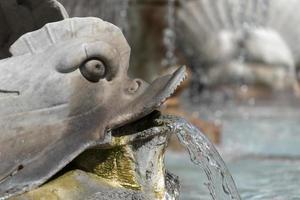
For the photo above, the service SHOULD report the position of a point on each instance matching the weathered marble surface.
(77, 185)
(133, 170)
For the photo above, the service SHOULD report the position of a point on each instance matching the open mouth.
(138, 126)
(151, 99)
(163, 88)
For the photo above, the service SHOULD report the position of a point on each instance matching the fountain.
(203, 153)
(135, 166)
(236, 42)
(84, 129)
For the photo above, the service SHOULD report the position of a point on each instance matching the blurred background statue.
(252, 42)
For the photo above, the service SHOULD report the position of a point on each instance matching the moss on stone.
(114, 165)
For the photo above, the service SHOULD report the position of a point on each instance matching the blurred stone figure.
(249, 42)
(257, 57)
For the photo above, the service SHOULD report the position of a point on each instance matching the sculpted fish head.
(64, 88)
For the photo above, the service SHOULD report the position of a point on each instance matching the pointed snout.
(143, 98)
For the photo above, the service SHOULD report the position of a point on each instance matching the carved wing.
(18, 17)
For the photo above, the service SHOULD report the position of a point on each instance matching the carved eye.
(93, 70)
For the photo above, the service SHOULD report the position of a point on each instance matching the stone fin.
(56, 32)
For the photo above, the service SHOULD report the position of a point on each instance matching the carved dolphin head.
(63, 89)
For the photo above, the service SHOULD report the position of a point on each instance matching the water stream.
(169, 36)
(203, 154)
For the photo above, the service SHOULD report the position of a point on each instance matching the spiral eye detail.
(93, 70)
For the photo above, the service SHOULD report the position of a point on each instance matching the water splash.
(114, 11)
(203, 153)
(169, 38)
(123, 18)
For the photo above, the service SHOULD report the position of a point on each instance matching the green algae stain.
(116, 165)
(65, 187)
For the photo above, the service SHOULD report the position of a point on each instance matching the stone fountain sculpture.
(249, 42)
(65, 105)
